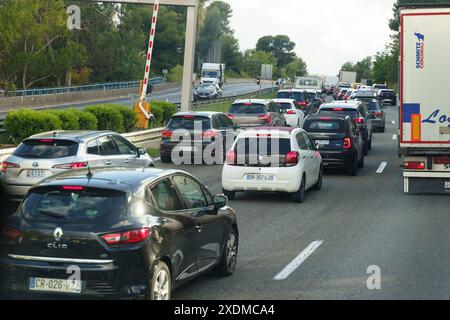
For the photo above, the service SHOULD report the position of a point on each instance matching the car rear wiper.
(52, 214)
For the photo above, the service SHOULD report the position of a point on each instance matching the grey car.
(43, 155)
(257, 112)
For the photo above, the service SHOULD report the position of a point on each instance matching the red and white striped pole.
(149, 58)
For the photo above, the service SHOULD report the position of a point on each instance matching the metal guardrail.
(91, 87)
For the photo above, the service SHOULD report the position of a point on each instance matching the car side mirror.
(140, 152)
(220, 201)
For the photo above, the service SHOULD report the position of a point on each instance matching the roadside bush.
(158, 112)
(129, 117)
(168, 109)
(21, 124)
(86, 120)
(68, 119)
(108, 117)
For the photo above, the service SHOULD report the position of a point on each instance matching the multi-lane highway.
(352, 226)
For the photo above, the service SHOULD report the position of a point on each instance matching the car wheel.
(230, 194)
(318, 185)
(353, 170)
(299, 196)
(361, 163)
(227, 263)
(366, 148)
(161, 283)
(165, 158)
(369, 146)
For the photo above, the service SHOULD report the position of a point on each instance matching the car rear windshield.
(372, 106)
(68, 203)
(248, 108)
(189, 123)
(46, 149)
(297, 96)
(346, 112)
(324, 126)
(264, 146)
(284, 105)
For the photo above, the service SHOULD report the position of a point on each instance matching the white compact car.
(271, 159)
(294, 117)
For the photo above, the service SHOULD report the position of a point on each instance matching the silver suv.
(46, 154)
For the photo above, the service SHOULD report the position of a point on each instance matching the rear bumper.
(17, 192)
(378, 123)
(337, 159)
(426, 182)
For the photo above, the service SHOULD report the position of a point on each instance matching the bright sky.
(327, 32)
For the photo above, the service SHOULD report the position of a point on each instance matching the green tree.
(253, 59)
(231, 55)
(280, 46)
(296, 68)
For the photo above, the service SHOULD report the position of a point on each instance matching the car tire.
(166, 159)
(161, 283)
(227, 263)
(353, 170)
(366, 148)
(230, 194)
(369, 146)
(318, 185)
(361, 163)
(299, 196)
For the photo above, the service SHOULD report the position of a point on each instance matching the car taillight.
(378, 114)
(229, 115)
(209, 134)
(291, 112)
(10, 233)
(126, 237)
(291, 159)
(73, 165)
(264, 117)
(166, 134)
(8, 165)
(359, 120)
(231, 157)
(73, 188)
(347, 143)
(414, 165)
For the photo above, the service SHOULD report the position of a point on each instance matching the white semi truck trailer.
(425, 99)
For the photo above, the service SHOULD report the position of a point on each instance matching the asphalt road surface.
(361, 222)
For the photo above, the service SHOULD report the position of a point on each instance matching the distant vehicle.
(364, 94)
(315, 101)
(256, 112)
(207, 92)
(386, 95)
(342, 93)
(280, 82)
(347, 76)
(294, 116)
(43, 155)
(338, 139)
(357, 110)
(377, 87)
(213, 73)
(348, 94)
(132, 233)
(331, 90)
(297, 94)
(272, 159)
(377, 114)
(331, 80)
(211, 126)
(308, 83)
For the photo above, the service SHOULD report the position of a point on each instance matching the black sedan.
(117, 233)
(207, 92)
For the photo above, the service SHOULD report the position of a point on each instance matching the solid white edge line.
(382, 167)
(294, 264)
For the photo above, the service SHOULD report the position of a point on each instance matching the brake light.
(264, 117)
(247, 103)
(338, 109)
(47, 140)
(291, 112)
(8, 165)
(231, 157)
(73, 188)
(347, 143)
(188, 117)
(209, 134)
(414, 165)
(359, 120)
(73, 165)
(127, 237)
(229, 115)
(378, 114)
(166, 134)
(10, 233)
(325, 118)
(291, 159)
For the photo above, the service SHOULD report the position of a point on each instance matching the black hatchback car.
(116, 233)
(338, 140)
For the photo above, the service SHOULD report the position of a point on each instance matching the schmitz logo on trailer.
(420, 50)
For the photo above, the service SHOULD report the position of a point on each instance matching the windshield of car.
(247, 108)
(210, 74)
(297, 96)
(189, 122)
(206, 88)
(324, 125)
(74, 203)
(46, 149)
(346, 112)
(284, 105)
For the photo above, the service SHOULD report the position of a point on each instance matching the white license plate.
(35, 173)
(55, 285)
(323, 142)
(260, 177)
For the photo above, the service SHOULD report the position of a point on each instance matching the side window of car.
(92, 147)
(301, 141)
(107, 146)
(221, 123)
(166, 197)
(125, 147)
(309, 144)
(229, 122)
(215, 122)
(191, 192)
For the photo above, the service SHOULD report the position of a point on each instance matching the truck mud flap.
(427, 185)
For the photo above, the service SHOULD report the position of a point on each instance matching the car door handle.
(199, 228)
(108, 162)
(127, 161)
